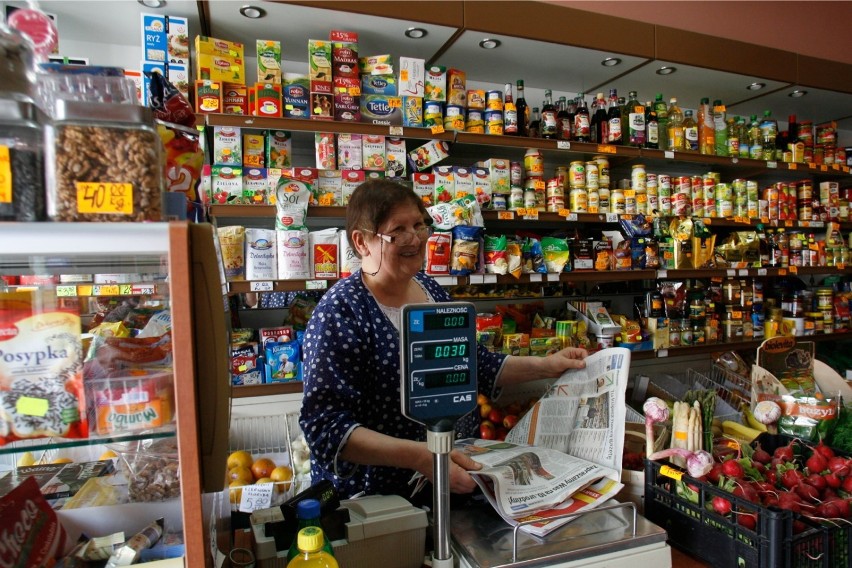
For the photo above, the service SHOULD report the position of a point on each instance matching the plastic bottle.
(733, 137)
(614, 126)
(690, 132)
(311, 554)
(706, 130)
(662, 121)
(720, 129)
(742, 134)
(755, 140)
(768, 133)
(674, 138)
(308, 514)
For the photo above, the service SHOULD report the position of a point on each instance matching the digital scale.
(439, 387)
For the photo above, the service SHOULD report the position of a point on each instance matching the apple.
(482, 399)
(496, 416)
(509, 421)
(514, 408)
(487, 431)
(501, 433)
(485, 410)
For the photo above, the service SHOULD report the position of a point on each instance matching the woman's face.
(404, 257)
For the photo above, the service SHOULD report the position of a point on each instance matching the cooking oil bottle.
(662, 121)
(675, 138)
(768, 133)
(706, 130)
(742, 134)
(755, 140)
(690, 132)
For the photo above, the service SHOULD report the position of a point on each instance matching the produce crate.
(723, 542)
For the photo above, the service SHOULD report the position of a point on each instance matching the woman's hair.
(372, 202)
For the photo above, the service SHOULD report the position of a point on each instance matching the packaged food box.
(395, 157)
(381, 109)
(213, 46)
(350, 180)
(516, 344)
(268, 100)
(428, 154)
(376, 64)
(463, 181)
(57, 480)
(322, 106)
(319, 60)
(445, 183)
(269, 61)
(141, 401)
(324, 248)
(254, 150)
(220, 68)
(456, 87)
(378, 85)
(373, 152)
(412, 77)
(424, 185)
(234, 98)
(227, 146)
(226, 184)
(283, 362)
(278, 149)
(436, 83)
(329, 188)
(280, 334)
(344, 60)
(326, 156)
(482, 186)
(296, 94)
(500, 173)
(208, 97)
(256, 188)
(347, 108)
(349, 151)
(347, 86)
(412, 111)
(544, 346)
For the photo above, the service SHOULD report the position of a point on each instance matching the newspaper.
(565, 454)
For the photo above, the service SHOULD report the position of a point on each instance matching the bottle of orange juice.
(311, 555)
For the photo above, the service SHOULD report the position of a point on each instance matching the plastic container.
(22, 193)
(308, 513)
(151, 467)
(310, 541)
(136, 402)
(17, 66)
(104, 163)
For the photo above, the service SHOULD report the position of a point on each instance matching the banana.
(752, 422)
(739, 432)
(26, 459)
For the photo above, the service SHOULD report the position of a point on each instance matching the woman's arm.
(518, 370)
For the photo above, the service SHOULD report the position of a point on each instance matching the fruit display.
(244, 469)
(496, 420)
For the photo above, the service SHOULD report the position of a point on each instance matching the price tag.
(738, 219)
(85, 290)
(794, 269)
(812, 165)
(476, 278)
(733, 444)
(531, 214)
(707, 220)
(782, 272)
(788, 223)
(552, 277)
(835, 167)
(505, 215)
(109, 198)
(316, 284)
(437, 128)
(771, 165)
(395, 102)
(804, 224)
(125, 289)
(606, 149)
(142, 289)
(671, 472)
(744, 272)
(662, 274)
(793, 166)
(764, 219)
(823, 168)
(535, 277)
(571, 217)
(326, 200)
(668, 154)
(254, 497)
(446, 280)
(732, 272)
(612, 217)
(818, 224)
(395, 131)
(539, 184)
(106, 290)
(736, 315)
(563, 145)
(662, 352)
(261, 286)
(490, 279)
(841, 265)
(32, 406)
(66, 291)
(761, 272)
(5, 176)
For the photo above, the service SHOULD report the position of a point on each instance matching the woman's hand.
(568, 358)
(460, 479)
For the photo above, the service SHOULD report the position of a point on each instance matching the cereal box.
(412, 77)
(283, 362)
(278, 149)
(253, 149)
(424, 186)
(322, 106)
(378, 85)
(482, 186)
(329, 188)
(326, 157)
(445, 183)
(412, 111)
(464, 181)
(381, 109)
(227, 146)
(256, 187)
(234, 98)
(350, 180)
(269, 61)
(376, 65)
(373, 152)
(436, 83)
(395, 157)
(349, 151)
(296, 93)
(428, 154)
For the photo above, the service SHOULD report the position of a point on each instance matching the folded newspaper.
(564, 455)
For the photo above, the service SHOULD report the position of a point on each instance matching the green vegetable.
(707, 400)
(841, 437)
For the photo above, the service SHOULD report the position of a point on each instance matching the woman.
(351, 413)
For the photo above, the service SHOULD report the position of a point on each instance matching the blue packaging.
(378, 85)
(283, 362)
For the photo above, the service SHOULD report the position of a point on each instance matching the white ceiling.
(114, 24)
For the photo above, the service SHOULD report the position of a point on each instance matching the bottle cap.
(308, 509)
(310, 539)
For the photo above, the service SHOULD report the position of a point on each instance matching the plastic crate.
(722, 542)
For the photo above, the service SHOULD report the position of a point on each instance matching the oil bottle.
(755, 140)
(636, 121)
(662, 120)
(768, 133)
(690, 132)
(675, 138)
(706, 130)
(582, 124)
(652, 127)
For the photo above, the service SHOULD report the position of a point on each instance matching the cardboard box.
(376, 65)
(329, 188)
(482, 186)
(268, 100)
(235, 98)
(227, 146)
(412, 111)
(500, 173)
(319, 60)
(349, 151)
(208, 97)
(395, 157)
(412, 77)
(381, 109)
(456, 87)
(256, 188)
(464, 181)
(436, 83)
(350, 180)
(378, 85)
(424, 186)
(344, 59)
(322, 106)
(278, 149)
(254, 155)
(220, 68)
(373, 152)
(268, 61)
(296, 94)
(445, 183)
(212, 46)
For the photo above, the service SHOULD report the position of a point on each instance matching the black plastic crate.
(724, 543)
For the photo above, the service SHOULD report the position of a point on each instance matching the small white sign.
(254, 497)
(477, 278)
(396, 131)
(662, 274)
(662, 352)
(490, 279)
(535, 277)
(669, 155)
(563, 145)
(316, 284)
(261, 286)
(612, 217)
(551, 277)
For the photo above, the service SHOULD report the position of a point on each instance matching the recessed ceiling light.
(252, 12)
(415, 33)
(611, 62)
(756, 86)
(152, 3)
(797, 93)
(489, 43)
(666, 70)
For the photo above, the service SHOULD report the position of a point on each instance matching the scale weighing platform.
(439, 387)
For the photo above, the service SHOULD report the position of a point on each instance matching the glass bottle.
(562, 120)
(311, 552)
(706, 130)
(733, 140)
(599, 120)
(652, 127)
(548, 128)
(742, 135)
(783, 247)
(534, 129)
(762, 245)
(582, 125)
(755, 140)
(523, 110)
(308, 515)
(636, 121)
(675, 139)
(510, 112)
(720, 128)
(572, 114)
(768, 133)
(690, 132)
(614, 126)
(662, 120)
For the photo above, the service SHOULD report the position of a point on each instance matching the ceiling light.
(797, 93)
(611, 62)
(489, 43)
(666, 70)
(756, 86)
(252, 12)
(415, 33)
(152, 3)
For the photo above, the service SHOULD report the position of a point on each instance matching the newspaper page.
(582, 413)
(527, 483)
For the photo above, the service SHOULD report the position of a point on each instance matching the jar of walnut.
(104, 163)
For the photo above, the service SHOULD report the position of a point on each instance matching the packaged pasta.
(465, 251)
(232, 242)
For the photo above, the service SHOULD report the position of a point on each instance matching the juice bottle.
(582, 124)
(721, 128)
(706, 129)
(308, 515)
(614, 128)
(675, 139)
(599, 120)
(636, 121)
(690, 132)
(510, 112)
(563, 120)
(662, 120)
(311, 555)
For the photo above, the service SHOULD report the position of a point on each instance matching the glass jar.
(674, 333)
(16, 66)
(104, 163)
(22, 194)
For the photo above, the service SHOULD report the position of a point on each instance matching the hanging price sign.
(109, 198)
(254, 497)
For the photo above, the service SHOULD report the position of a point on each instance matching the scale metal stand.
(439, 388)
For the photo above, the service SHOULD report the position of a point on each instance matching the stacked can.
(555, 195)
(738, 187)
(578, 196)
(535, 194)
(599, 199)
(454, 118)
(724, 200)
(494, 112)
(752, 200)
(664, 192)
(804, 191)
(825, 305)
(681, 195)
(708, 186)
(433, 113)
(474, 121)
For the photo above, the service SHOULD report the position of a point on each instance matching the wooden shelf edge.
(688, 350)
(267, 389)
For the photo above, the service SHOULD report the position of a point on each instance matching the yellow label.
(125, 289)
(403, 75)
(788, 223)
(5, 176)
(823, 168)
(606, 149)
(437, 128)
(793, 166)
(505, 215)
(107, 290)
(671, 472)
(812, 165)
(110, 198)
(782, 272)
(564, 212)
(85, 290)
(841, 265)
(733, 444)
(764, 219)
(356, 92)
(32, 406)
(539, 184)
(66, 291)
(738, 219)
(794, 269)
(395, 102)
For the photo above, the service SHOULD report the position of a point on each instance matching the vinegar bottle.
(548, 128)
(636, 121)
(652, 127)
(563, 120)
(675, 138)
(599, 120)
(690, 132)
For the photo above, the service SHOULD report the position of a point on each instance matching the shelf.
(39, 444)
(730, 346)
(268, 389)
(249, 286)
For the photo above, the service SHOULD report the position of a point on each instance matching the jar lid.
(20, 111)
(102, 112)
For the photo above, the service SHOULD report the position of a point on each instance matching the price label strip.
(104, 198)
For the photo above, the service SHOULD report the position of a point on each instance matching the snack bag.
(184, 160)
(465, 252)
(168, 103)
(438, 253)
(496, 255)
(556, 252)
(38, 536)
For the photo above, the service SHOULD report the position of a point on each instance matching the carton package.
(378, 85)
(296, 93)
(445, 183)
(165, 39)
(499, 170)
(57, 480)
(464, 181)
(254, 155)
(381, 109)
(208, 97)
(347, 86)
(226, 184)
(326, 156)
(280, 334)
(227, 146)
(456, 87)
(482, 186)
(268, 61)
(395, 157)
(350, 180)
(349, 151)
(412, 111)
(376, 65)
(344, 60)
(278, 149)
(268, 99)
(329, 188)
(436, 83)
(347, 108)
(256, 188)
(373, 152)
(428, 154)
(412, 77)
(319, 61)
(583, 254)
(424, 185)
(324, 246)
(213, 46)
(322, 106)
(234, 98)
(220, 68)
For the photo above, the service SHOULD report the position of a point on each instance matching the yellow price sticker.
(394, 102)
(355, 91)
(782, 272)
(794, 269)
(66, 291)
(764, 219)
(108, 198)
(793, 166)
(32, 406)
(85, 290)
(125, 289)
(539, 184)
(506, 215)
(733, 444)
(606, 149)
(326, 200)
(671, 472)
(841, 265)
(5, 176)
(437, 128)
(403, 74)
(835, 166)
(707, 220)
(564, 212)
(788, 223)
(106, 290)
(823, 168)
(739, 219)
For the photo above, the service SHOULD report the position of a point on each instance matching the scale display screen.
(438, 363)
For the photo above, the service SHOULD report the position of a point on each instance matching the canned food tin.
(664, 185)
(433, 113)
(474, 122)
(577, 174)
(533, 163)
(653, 203)
(724, 208)
(554, 188)
(752, 192)
(494, 100)
(493, 122)
(516, 173)
(682, 184)
(724, 192)
(651, 182)
(603, 170)
(806, 132)
(592, 175)
(454, 118)
(498, 201)
(630, 202)
(680, 204)
(638, 178)
(476, 99)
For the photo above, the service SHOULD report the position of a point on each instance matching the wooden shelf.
(730, 346)
(268, 389)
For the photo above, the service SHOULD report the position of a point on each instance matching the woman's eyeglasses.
(405, 238)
